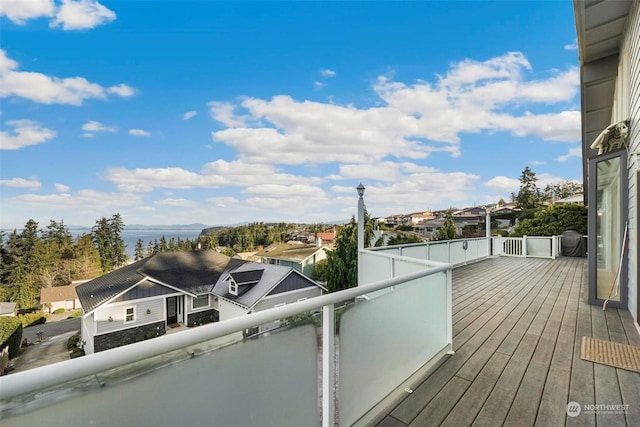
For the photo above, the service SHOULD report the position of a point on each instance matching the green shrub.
(554, 221)
(11, 334)
(76, 352)
(73, 342)
(75, 314)
(59, 311)
(31, 319)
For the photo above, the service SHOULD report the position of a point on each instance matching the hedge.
(11, 334)
(31, 319)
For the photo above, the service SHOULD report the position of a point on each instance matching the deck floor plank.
(518, 328)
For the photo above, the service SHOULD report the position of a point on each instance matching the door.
(172, 310)
(607, 230)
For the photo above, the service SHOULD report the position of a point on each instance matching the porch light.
(110, 319)
(360, 189)
(148, 311)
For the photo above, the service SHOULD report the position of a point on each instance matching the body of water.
(130, 237)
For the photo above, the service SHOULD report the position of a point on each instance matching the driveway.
(53, 347)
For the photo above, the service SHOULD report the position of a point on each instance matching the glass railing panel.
(375, 267)
(418, 251)
(457, 251)
(258, 381)
(439, 252)
(386, 339)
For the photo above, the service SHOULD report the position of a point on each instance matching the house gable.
(292, 282)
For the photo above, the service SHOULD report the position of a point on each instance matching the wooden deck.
(518, 325)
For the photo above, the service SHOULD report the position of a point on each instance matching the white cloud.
(383, 171)
(536, 162)
(87, 135)
(189, 115)
(20, 11)
(503, 183)
(84, 201)
(122, 90)
(412, 120)
(93, 126)
(571, 46)
(573, 152)
(139, 132)
(25, 133)
(319, 84)
(176, 202)
(81, 15)
(31, 183)
(216, 174)
(44, 89)
(224, 113)
(327, 73)
(61, 188)
(223, 202)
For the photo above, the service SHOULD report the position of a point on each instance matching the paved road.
(53, 347)
(51, 329)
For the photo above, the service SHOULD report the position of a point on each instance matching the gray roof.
(272, 275)
(193, 272)
(245, 277)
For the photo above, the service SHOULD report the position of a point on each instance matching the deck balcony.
(494, 340)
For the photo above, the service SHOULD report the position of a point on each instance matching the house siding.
(631, 45)
(116, 311)
(291, 283)
(229, 310)
(272, 300)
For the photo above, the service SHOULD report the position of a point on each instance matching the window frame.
(133, 314)
(193, 302)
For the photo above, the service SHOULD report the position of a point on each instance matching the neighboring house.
(609, 53)
(431, 227)
(327, 237)
(64, 297)
(254, 287)
(8, 309)
(300, 257)
(417, 217)
(143, 299)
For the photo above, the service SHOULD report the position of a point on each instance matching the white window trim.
(233, 287)
(134, 314)
(193, 302)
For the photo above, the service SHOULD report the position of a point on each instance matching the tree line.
(37, 258)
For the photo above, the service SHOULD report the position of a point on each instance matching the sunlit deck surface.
(517, 326)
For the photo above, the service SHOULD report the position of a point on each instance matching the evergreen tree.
(139, 250)
(343, 260)
(529, 196)
(448, 231)
(107, 236)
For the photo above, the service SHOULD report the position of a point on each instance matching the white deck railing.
(528, 246)
(400, 323)
(455, 252)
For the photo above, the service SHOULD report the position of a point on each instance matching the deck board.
(518, 326)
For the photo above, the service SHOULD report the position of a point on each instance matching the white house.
(143, 299)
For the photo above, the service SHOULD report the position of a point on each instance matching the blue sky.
(221, 112)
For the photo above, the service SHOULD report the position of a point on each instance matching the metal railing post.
(328, 366)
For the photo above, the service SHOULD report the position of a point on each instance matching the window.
(233, 287)
(201, 301)
(129, 314)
